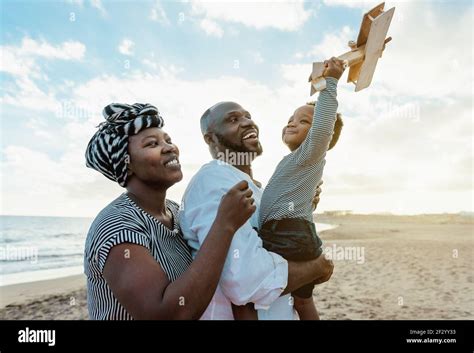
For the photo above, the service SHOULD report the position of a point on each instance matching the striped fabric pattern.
(290, 190)
(107, 151)
(123, 221)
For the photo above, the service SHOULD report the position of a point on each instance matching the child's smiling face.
(298, 126)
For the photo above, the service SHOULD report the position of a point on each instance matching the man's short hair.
(205, 120)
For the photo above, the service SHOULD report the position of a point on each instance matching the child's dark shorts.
(294, 239)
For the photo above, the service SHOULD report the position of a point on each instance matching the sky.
(407, 142)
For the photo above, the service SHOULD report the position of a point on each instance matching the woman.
(136, 262)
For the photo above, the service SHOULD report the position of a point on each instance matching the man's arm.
(301, 273)
(250, 273)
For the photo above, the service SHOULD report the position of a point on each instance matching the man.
(251, 274)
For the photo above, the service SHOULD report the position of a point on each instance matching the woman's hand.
(237, 206)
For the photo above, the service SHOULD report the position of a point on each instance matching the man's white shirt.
(251, 274)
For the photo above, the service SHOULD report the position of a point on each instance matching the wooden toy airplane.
(364, 54)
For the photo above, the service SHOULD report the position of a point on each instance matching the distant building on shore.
(338, 213)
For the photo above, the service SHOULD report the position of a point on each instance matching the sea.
(40, 248)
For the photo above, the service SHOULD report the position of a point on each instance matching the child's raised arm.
(314, 147)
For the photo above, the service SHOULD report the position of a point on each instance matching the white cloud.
(27, 95)
(414, 63)
(332, 44)
(126, 47)
(34, 183)
(296, 73)
(211, 28)
(39, 128)
(16, 65)
(69, 50)
(20, 62)
(158, 14)
(282, 15)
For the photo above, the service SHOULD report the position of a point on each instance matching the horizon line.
(327, 213)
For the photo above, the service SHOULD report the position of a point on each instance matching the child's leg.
(244, 312)
(306, 308)
(304, 304)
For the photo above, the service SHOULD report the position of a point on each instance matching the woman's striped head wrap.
(107, 151)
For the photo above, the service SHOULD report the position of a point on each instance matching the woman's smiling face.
(154, 158)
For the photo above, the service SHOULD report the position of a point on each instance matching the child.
(286, 209)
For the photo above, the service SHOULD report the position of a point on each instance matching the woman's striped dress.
(122, 221)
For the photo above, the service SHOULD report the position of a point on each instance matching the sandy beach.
(54, 299)
(386, 267)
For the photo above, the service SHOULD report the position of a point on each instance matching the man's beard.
(233, 147)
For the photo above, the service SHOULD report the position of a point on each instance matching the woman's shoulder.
(114, 208)
(117, 215)
(119, 222)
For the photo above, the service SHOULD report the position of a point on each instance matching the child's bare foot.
(306, 308)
